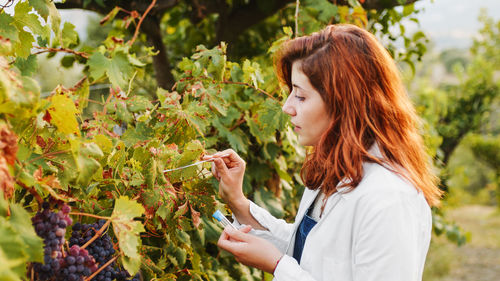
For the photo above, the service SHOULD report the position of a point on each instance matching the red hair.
(361, 87)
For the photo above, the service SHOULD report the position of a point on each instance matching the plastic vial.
(222, 219)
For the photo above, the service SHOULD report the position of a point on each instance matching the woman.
(366, 209)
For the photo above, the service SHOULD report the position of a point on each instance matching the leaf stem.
(45, 155)
(101, 268)
(97, 234)
(89, 215)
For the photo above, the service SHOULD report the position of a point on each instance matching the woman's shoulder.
(381, 186)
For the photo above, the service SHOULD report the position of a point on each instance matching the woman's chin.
(303, 142)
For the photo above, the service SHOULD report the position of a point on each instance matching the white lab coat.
(380, 231)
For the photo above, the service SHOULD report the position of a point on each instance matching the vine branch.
(136, 33)
(63, 50)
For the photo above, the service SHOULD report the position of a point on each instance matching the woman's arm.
(229, 171)
(260, 253)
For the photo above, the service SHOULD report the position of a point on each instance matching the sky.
(453, 23)
(448, 23)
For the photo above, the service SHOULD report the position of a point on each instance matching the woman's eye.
(299, 98)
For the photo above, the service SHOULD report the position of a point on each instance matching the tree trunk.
(163, 70)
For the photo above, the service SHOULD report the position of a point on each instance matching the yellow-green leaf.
(63, 112)
(127, 231)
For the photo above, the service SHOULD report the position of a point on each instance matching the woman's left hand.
(248, 249)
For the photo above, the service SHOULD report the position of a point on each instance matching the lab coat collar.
(373, 151)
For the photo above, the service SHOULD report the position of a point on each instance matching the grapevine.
(89, 254)
(87, 168)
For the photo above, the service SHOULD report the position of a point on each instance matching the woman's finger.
(220, 167)
(237, 234)
(225, 243)
(232, 156)
(214, 172)
(245, 228)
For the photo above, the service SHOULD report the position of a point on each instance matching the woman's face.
(306, 108)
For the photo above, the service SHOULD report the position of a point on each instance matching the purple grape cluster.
(51, 227)
(101, 249)
(77, 264)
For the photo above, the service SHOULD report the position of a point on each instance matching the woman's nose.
(288, 107)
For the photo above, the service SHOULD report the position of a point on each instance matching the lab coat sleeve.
(389, 242)
(278, 231)
(288, 269)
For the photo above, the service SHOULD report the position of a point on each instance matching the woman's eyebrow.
(297, 86)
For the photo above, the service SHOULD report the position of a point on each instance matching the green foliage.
(487, 149)
(18, 241)
(110, 160)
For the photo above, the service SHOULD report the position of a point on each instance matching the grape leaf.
(69, 35)
(24, 45)
(41, 6)
(12, 245)
(21, 222)
(27, 66)
(139, 103)
(119, 70)
(122, 113)
(23, 18)
(87, 165)
(7, 264)
(150, 172)
(127, 231)
(234, 137)
(98, 64)
(5, 47)
(103, 142)
(83, 91)
(7, 28)
(63, 112)
(47, 9)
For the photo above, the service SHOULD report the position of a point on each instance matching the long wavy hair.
(364, 95)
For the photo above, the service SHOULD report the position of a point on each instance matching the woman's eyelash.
(299, 98)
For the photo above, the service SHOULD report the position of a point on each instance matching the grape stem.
(101, 268)
(89, 215)
(63, 253)
(97, 234)
(32, 272)
(32, 191)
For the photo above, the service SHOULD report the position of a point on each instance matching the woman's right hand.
(229, 171)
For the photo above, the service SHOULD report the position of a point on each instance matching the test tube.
(222, 219)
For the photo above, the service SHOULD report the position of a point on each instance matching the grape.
(66, 209)
(70, 260)
(51, 227)
(74, 270)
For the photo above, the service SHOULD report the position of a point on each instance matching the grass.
(478, 259)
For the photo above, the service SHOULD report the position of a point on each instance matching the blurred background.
(448, 52)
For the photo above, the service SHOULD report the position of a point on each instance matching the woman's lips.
(296, 129)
